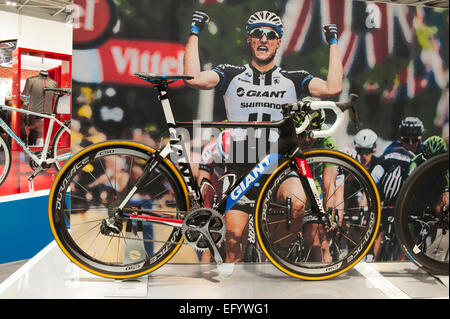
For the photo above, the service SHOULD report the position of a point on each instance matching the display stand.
(50, 274)
(130, 288)
(62, 75)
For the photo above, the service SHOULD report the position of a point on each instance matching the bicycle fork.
(311, 191)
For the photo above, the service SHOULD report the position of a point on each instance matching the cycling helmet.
(432, 146)
(365, 138)
(266, 19)
(411, 127)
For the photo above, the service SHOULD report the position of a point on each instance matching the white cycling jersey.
(250, 95)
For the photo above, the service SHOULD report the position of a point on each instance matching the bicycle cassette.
(200, 222)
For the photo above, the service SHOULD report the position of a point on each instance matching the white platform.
(50, 275)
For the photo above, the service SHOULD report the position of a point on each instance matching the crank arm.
(213, 248)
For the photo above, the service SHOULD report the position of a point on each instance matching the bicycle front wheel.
(91, 231)
(296, 237)
(421, 215)
(5, 159)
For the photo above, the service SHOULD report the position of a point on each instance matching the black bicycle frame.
(288, 148)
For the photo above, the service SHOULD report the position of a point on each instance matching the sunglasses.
(412, 140)
(364, 151)
(258, 34)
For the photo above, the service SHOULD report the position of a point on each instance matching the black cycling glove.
(198, 22)
(330, 33)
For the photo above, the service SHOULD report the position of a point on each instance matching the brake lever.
(351, 104)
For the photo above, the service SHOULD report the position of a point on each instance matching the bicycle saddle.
(157, 79)
(61, 91)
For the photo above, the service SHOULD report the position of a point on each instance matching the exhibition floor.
(50, 275)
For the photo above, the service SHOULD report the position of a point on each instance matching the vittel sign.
(122, 58)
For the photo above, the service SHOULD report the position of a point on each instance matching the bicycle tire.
(58, 148)
(415, 194)
(5, 159)
(90, 198)
(271, 237)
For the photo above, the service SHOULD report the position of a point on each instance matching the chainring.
(202, 220)
(44, 166)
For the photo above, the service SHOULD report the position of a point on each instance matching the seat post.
(163, 97)
(55, 108)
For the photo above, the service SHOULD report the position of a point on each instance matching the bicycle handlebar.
(337, 107)
(318, 105)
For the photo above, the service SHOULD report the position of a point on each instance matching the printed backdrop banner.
(395, 58)
(367, 31)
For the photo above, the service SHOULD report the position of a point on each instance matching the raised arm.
(203, 80)
(333, 85)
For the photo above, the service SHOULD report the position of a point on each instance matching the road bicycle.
(55, 150)
(119, 209)
(421, 215)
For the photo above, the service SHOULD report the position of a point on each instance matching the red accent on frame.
(303, 167)
(170, 220)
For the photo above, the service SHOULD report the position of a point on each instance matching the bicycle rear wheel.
(61, 146)
(5, 159)
(83, 201)
(296, 239)
(421, 215)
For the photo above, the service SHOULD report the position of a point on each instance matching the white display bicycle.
(54, 152)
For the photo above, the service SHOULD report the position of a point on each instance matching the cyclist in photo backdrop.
(389, 175)
(432, 146)
(255, 92)
(365, 147)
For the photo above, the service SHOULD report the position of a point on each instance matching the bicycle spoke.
(349, 239)
(105, 173)
(84, 209)
(87, 222)
(283, 238)
(88, 231)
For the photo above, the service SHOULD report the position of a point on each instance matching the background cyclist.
(365, 147)
(430, 203)
(434, 145)
(365, 142)
(390, 174)
(272, 87)
(410, 135)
